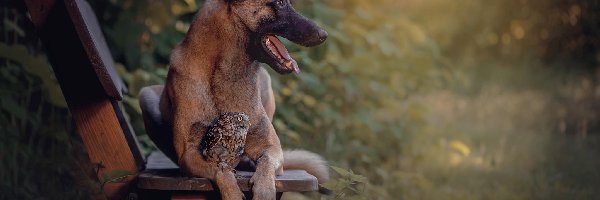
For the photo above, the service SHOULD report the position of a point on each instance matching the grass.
(502, 136)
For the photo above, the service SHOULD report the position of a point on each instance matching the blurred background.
(407, 99)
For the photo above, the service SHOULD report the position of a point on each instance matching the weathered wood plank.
(94, 44)
(105, 142)
(188, 197)
(162, 174)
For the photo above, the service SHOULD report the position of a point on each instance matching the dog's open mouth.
(276, 49)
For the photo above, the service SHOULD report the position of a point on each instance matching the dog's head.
(267, 19)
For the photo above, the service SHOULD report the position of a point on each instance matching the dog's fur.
(215, 69)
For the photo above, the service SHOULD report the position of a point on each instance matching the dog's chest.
(236, 95)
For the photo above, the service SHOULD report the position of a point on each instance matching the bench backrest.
(85, 71)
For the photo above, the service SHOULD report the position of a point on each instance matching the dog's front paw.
(263, 187)
(264, 192)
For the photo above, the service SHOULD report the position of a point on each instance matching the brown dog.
(215, 70)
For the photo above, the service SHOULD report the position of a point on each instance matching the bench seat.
(162, 174)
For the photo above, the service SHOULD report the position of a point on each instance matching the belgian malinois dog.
(215, 69)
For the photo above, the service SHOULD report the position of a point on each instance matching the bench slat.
(162, 174)
(92, 39)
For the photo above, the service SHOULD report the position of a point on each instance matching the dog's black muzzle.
(267, 48)
(294, 27)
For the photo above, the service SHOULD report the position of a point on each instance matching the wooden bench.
(85, 70)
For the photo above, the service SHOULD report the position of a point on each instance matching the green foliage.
(36, 66)
(39, 151)
(431, 99)
(35, 136)
(348, 186)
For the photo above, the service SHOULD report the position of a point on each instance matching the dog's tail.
(307, 161)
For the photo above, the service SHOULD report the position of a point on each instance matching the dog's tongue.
(289, 62)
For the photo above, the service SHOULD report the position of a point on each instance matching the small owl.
(224, 140)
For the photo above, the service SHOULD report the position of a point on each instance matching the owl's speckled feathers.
(225, 138)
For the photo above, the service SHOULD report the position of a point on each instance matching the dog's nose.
(323, 35)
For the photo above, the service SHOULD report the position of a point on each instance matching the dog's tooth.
(293, 65)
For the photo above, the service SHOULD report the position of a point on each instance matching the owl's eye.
(278, 3)
(240, 119)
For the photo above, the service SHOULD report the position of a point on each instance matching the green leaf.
(11, 106)
(358, 178)
(341, 171)
(332, 185)
(11, 26)
(133, 103)
(115, 176)
(37, 66)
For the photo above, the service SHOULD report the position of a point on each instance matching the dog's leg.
(192, 162)
(187, 144)
(192, 113)
(262, 146)
(188, 130)
(228, 186)
(266, 92)
(263, 181)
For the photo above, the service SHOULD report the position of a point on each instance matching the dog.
(215, 69)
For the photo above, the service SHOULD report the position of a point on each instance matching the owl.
(223, 143)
